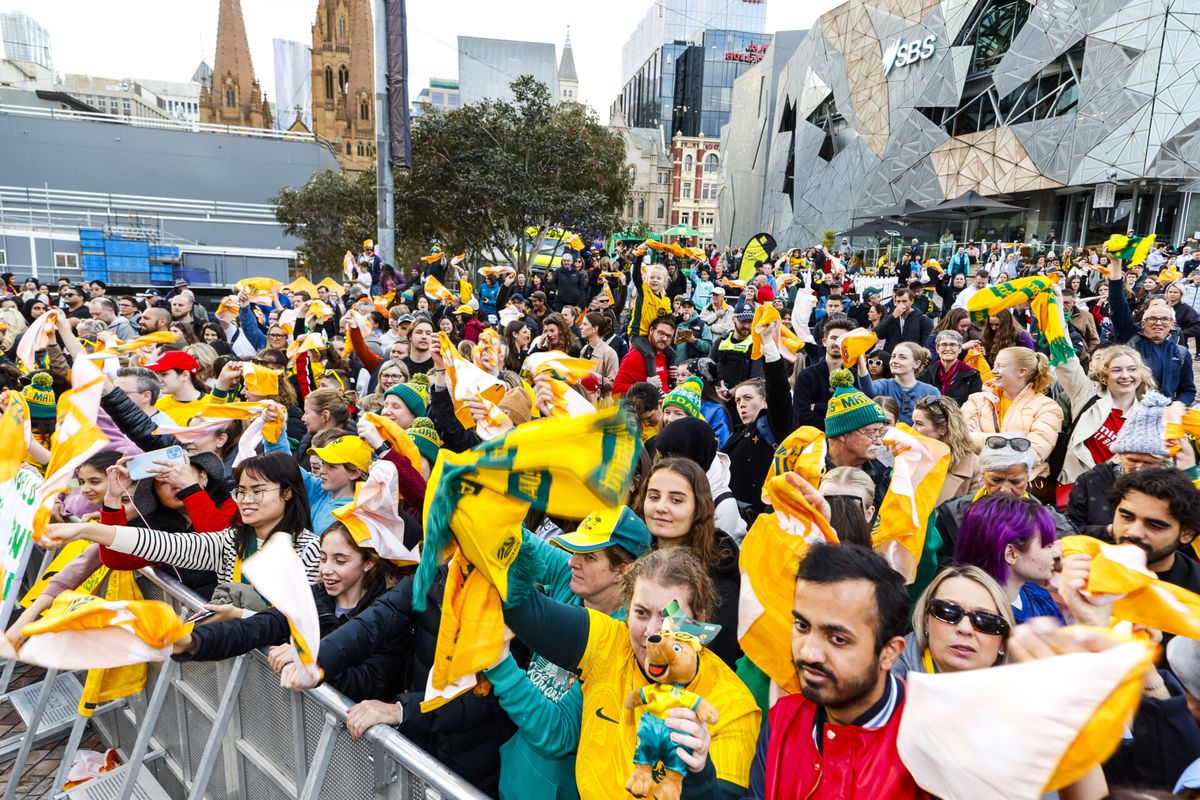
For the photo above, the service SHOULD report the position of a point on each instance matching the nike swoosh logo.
(601, 715)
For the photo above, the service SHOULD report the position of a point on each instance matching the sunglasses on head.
(984, 622)
(999, 443)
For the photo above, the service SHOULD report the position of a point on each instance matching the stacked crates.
(91, 251)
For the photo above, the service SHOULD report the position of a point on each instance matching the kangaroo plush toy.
(672, 660)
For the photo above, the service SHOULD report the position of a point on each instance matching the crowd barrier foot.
(61, 711)
(110, 784)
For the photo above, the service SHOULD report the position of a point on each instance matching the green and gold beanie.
(414, 394)
(426, 437)
(39, 394)
(849, 409)
(686, 396)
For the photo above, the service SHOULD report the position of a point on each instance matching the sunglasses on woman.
(984, 622)
(999, 443)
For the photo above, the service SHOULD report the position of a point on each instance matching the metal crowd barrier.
(225, 730)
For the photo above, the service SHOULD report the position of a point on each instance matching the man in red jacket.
(649, 358)
(837, 738)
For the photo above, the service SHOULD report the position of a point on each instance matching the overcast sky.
(166, 39)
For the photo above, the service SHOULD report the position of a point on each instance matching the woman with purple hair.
(1012, 539)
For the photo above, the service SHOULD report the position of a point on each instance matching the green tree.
(485, 174)
(332, 213)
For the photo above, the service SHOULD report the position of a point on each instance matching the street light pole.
(385, 203)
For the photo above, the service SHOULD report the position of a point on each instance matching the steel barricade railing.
(226, 729)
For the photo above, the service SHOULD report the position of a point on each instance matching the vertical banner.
(18, 497)
(396, 28)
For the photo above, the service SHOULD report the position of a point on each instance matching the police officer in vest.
(732, 352)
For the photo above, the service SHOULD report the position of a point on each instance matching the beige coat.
(963, 480)
(1035, 415)
(1080, 389)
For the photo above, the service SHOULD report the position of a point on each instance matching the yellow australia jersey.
(661, 698)
(182, 412)
(647, 308)
(608, 736)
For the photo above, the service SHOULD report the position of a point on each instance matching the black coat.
(379, 676)
(752, 447)
(1088, 507)
(966, 383)
(571, 287)
(464, 734)
(917, 328)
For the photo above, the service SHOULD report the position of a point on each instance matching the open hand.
(692, 736)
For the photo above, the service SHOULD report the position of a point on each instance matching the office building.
(679, 65)
(441, 93)
(1084, 114)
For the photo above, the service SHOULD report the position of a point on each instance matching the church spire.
(233, 96)
(568, 81)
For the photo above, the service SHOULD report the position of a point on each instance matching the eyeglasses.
(999, 443)
(276, 335)
(875, 362)
(1158, 320)
(241, 495)
(875, 434)
(984, 622)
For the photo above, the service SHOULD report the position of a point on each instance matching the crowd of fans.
(1040, 448)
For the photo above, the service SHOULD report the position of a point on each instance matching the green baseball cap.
(612, 526)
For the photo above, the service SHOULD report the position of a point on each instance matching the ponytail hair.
(600, 322)
(333, 401)
(1036, 364)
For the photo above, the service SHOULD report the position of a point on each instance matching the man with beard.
(837, 738)
(1158, 510)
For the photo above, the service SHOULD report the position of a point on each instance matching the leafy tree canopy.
(332, 213)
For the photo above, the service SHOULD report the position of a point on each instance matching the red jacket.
(855, 762)
(207, 517)
(633, 370)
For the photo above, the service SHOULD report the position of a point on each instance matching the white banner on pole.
(17, 504)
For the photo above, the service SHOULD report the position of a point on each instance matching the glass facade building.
(679, 65)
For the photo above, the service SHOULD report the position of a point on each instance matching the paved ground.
(40, 769)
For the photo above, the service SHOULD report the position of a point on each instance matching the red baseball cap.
(175, 359)
(766, 294)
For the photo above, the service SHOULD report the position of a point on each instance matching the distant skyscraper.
(293, 84)
(679, 64)
(343, 80)
(23, 39)
(234, 96)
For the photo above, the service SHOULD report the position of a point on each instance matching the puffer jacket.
(1035, 415)
(463, 734)
(1090, 406)
(379, 677)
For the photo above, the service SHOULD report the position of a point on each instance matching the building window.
(66, 261)
(710, 163)
(452, 99)
(687, 189)
(992, 29)
(230, 97)
(837, 130)
(687, 164)
(641, 209)
(662, 209)
(662, 176)
(629, 209)
(341, 28)
(3, 258)
(329, 83)
(347, 148)
(364, 110)
(437, 98)
(343, 80)
(702, 191)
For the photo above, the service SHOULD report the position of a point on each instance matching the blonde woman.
(939, 417)
(1014, 401)
(961, 621)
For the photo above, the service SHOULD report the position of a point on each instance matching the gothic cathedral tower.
(343, 80)
(233, 96)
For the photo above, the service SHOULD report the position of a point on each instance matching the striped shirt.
(216, 552)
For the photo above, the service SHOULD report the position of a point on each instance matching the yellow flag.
(81, 631)
(919, 469)
(1010, 294)
(855, 344)
(14, 432)
(312, 342)
(1051, 325)
(319, 310)
(769, 560)
(105, 685)
(468, 382)
(260, 380)
(785, 339)
(436, 291)
(146, 340)
(277, 574)
(373, 519)
(75, 439)
(36, 338)
(802, 452)
(253, 286)
(1146, 600)
(65, 555)
(396, 437)
(349, 267)
(257, 430)
(487, 353)
(1047, 722)
(560, 366)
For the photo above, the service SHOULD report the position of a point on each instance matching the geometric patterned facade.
(1073, 93)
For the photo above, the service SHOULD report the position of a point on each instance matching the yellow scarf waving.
(1010, 294)
(769, 559)
(1052, 327)
(434, 290)
(474, 508)
(468, 382)
(919, 470)
(802, 452)
(787, 341)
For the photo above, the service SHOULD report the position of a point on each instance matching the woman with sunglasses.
(961, 621)
(939, 417)
(877, 364)
(1013, 540)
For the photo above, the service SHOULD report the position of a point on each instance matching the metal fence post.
(30, 734)
(316, 775)
(212, 747)
(68, 755)
(147, 727)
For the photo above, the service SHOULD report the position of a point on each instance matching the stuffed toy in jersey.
(672, 661)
